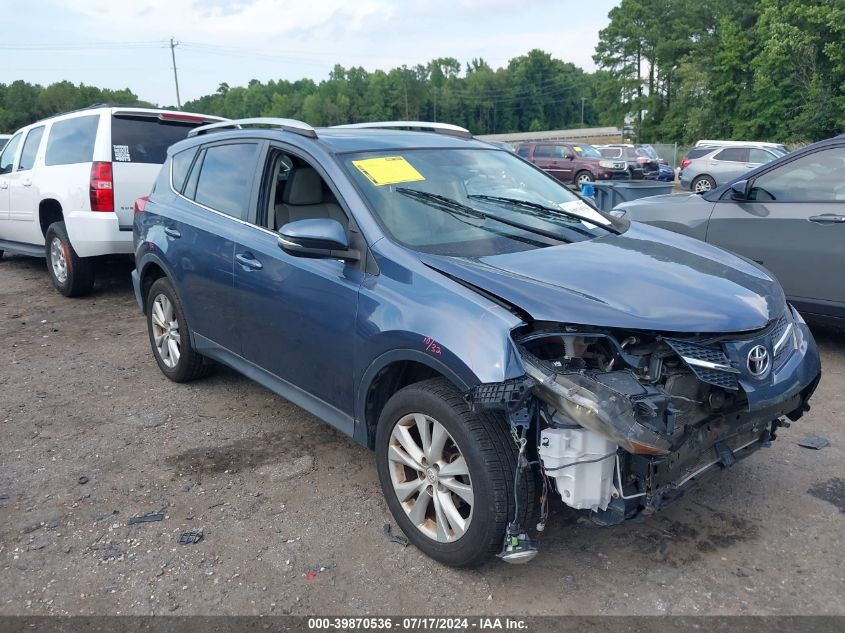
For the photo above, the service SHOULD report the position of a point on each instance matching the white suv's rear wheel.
(72, 275)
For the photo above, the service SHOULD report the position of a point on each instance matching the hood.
(671, 198)
(646, 278)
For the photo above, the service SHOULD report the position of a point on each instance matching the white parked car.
(68, 185)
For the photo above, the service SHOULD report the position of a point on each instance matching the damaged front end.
(624, 421)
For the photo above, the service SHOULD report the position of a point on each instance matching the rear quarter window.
(72, 141)
(698, 153)
(145, 139)
(179, 167)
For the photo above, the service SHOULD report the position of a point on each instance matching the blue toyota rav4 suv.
(487, 333)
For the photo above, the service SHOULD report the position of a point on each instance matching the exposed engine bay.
(622, 421)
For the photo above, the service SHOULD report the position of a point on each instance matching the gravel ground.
(91, 434)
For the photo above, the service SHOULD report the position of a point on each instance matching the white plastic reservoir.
(583, 486)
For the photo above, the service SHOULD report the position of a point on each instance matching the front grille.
(783, 353)
(708, 354)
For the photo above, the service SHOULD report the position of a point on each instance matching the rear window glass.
(181, 165)
(733, 154)
(30, 148)
(698, 153)
(72, 141)
(611, 152)
(226, 177)
(145, 139)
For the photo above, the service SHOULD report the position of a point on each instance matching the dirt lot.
(278, 494)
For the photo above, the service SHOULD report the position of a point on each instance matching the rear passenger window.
(72, 141)
(225, 177)
(733, 155)
(145, 139)
(698, 153)
(7, 158)
(30, 148)
(179, 167)
(523, 151)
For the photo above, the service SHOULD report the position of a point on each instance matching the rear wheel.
(170, 337)
(583, 176)
(71, 274)
(448, 474)
(702, 184)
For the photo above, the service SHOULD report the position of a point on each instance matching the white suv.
(68, 185)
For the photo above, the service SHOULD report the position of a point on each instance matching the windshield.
(470, 202)
(587, 151)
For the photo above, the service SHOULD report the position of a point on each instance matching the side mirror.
(316, 238)
(739, 190)
(569, 156)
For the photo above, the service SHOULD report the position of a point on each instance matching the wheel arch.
(150, 270)
(388, 374)
(49, 211)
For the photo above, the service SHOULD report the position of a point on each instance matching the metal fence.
(668, 152)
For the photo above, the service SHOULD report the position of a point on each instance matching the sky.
(125, 43)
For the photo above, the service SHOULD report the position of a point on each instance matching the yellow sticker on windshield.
(388, 170)
(578, 148)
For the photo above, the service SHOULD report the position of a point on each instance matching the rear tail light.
(101, 190)
(141, 204)
(685, 163)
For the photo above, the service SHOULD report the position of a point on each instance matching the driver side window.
(297, 192)
(816, 177)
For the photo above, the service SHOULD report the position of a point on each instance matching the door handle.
(828, 218)
(26, 183)
(248, 261)
(172, 232)
(4, 185)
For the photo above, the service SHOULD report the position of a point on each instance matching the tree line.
(674, 70)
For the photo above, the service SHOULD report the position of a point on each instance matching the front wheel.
(448, 474)
(169, 335)
(72, 275)
(582, 177)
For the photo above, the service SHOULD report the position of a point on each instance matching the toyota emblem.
(758, 361)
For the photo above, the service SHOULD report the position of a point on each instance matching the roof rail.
(289, 125)
(440, 128)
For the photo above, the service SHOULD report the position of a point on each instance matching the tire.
(702, 184)
(71, 274)
(582, 177)
(489, 454)
(170, 337)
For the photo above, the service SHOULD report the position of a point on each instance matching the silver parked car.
(705, 168)
(788, 215)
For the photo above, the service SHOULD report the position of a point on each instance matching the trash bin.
(609, 194)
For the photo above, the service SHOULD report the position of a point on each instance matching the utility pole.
(583, 99)
(173, 46)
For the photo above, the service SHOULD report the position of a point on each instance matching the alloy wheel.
(57, 260)
(702, 185)
(430, 477)
(166, 331)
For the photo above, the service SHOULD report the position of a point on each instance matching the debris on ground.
(190, 538)
(145, 518)
(394, 538)
(83, 480)
(311, 575)
(816, 442)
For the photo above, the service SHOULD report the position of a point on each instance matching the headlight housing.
(596, 407)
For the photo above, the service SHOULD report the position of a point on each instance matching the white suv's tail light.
(101, 189)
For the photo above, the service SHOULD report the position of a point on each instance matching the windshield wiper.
(554, 213)
(453, 206)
